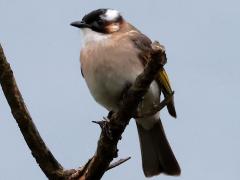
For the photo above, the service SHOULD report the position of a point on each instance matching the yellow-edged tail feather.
(167, 90)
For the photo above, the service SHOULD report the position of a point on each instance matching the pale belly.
(108, 71)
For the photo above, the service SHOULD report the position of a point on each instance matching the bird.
(113, 54)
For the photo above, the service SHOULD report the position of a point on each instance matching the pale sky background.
(202, 41)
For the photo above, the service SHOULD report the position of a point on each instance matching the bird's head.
(106, 21)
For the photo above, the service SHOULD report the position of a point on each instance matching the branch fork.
(107, 147)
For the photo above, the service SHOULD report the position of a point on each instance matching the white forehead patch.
(110, 15)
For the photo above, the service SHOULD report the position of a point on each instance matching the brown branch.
(40, 152)
(76, 173)
(107, 147)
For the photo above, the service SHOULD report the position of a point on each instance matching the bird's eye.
(100, 21)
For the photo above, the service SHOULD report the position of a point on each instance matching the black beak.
(80, 24)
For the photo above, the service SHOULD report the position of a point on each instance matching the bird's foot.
(156, 107)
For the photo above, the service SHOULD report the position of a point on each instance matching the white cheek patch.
(111, 15)
(113, 27)
(92, 36)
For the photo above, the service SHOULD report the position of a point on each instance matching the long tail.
(157, 155)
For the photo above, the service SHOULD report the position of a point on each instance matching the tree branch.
(49, 165)
(107, 147)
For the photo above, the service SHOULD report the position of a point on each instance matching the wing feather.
(143, 43)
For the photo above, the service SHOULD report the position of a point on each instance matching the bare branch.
(40, 151)
(107, 147)
(117, 163)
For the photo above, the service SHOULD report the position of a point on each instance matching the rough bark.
(107, 145)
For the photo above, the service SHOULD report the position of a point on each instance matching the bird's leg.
(156, 107)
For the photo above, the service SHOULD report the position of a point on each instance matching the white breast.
(90, 36)
(108, 66)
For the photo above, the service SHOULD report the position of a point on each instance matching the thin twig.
(117, 163)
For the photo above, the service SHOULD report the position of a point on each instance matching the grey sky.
(202, 42)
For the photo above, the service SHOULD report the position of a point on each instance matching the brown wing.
(143, 43)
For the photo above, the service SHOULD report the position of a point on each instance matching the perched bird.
(113, 54)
